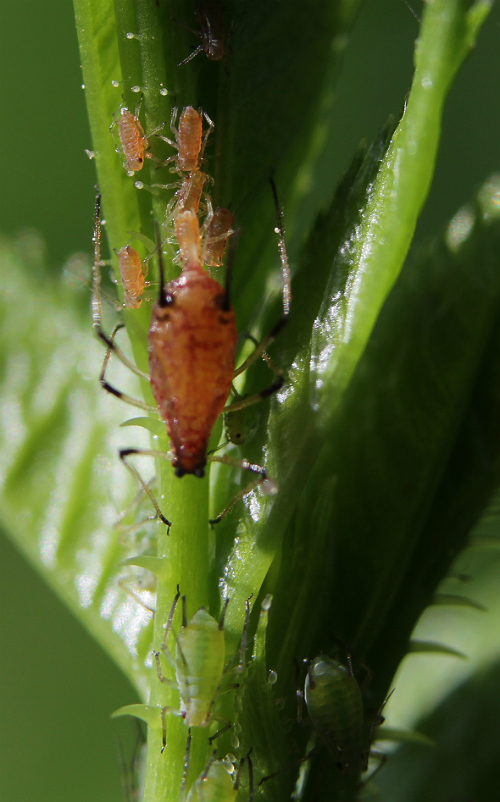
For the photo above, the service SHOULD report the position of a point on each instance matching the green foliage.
(384, 442)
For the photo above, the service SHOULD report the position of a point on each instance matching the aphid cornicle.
(335, 706)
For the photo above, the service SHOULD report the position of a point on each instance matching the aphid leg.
(248, 759)
(124, 453)
(126, 529)
(285, 272)
(382, 760)
(134, 595)
(247, 466)
(168, 627)
(187, 756)
(227, 726)
(175, 132)
(112, 348)
(195, 52)
(239, 654)
(211, 126)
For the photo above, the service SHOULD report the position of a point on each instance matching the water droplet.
(267, 601)
(90, 153)
(135, 89)
(83, 86)
(116, 84)
(138, 184)
(131, 36)
(163, 90)
(272, 677)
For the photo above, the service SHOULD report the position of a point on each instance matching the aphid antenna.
(96, 267)
(233, 244)
(163, 298)
(285, 267)
(287, 296)
(211, 126)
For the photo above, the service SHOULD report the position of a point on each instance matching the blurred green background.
(56, 739)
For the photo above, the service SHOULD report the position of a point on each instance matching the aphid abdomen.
(200, 660)
(335, 705)
(214, 785)
(189, 195)
(132, 140)
(189, 139)
(216, 236)
(187, 231)
(132, 276)
(192, 347)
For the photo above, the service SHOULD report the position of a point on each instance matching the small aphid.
(187, 231)
(188, 138)
(132, 275)
(211, 31)
(216, 783)
(132, 139)
(335, 706)
(202, 673)
(188, 198)
(216, 235)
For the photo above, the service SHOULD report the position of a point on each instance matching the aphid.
(188, 197)
(187, 231)
(211, 31)
(216, 233)
(192, 347)
(133, 276)
(335, 706)
(133, 141)
(202, 672)
(188, 138)
(216, 783)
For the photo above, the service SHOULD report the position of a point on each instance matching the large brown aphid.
(192, 348)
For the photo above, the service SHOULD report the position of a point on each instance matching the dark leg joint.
(110, 389)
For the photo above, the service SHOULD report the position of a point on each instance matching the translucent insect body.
(132, 139)
(189, 140)
(132, 275)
